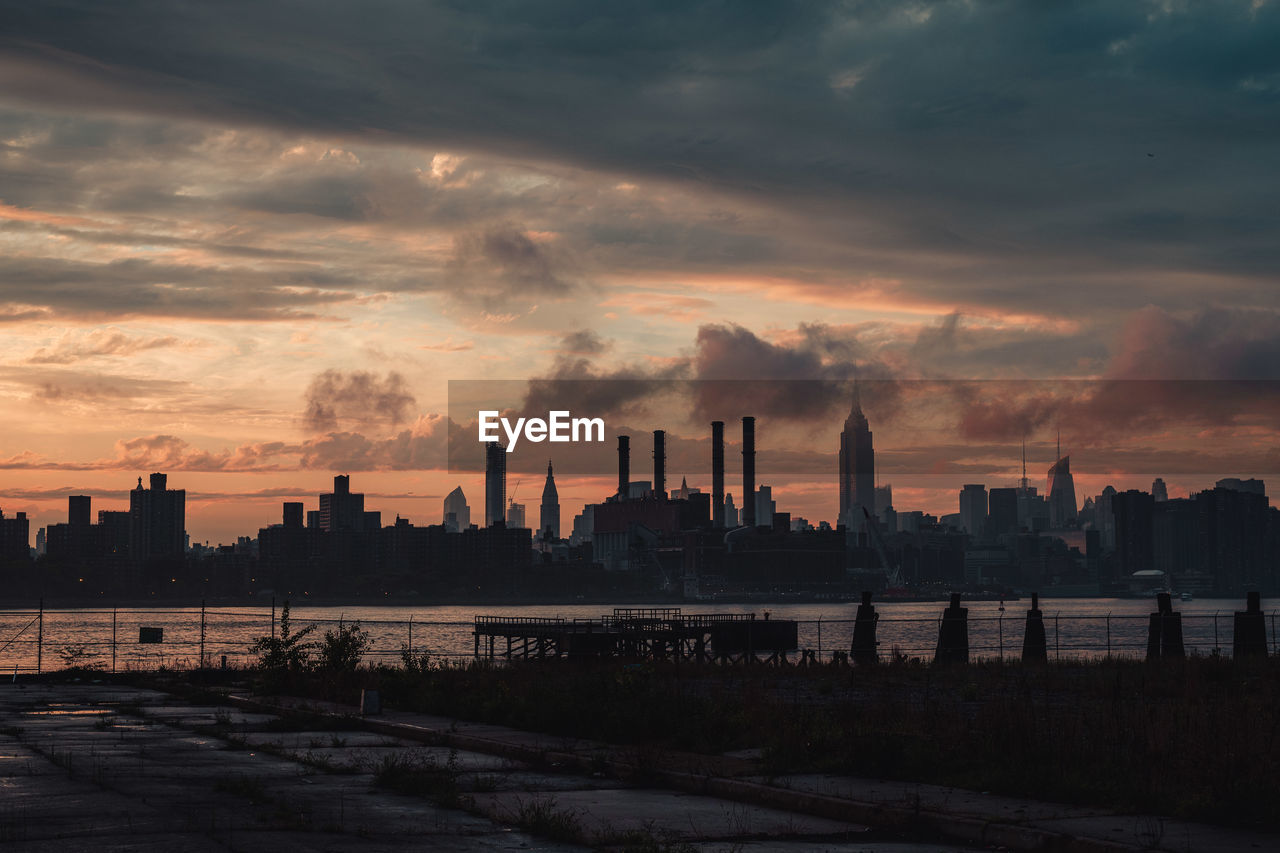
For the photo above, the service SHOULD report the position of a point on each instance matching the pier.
(659, 633)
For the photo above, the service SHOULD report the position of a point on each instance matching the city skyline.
(242, 264)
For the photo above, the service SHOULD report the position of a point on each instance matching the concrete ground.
(96, 767)
(980, 819)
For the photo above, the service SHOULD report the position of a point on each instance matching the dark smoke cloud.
(358, 396)
(584, 342)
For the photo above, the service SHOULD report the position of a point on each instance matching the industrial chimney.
(717, 473)
(749, 471)
(659, 463)
(624, 466)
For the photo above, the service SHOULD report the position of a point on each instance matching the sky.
(250, 243)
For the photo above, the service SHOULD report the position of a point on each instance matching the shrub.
(286, 651)
(341, 650)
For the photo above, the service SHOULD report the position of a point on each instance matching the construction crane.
(894, 577)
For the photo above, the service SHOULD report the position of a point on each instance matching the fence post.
(1000, 626)
(1217, 648)
(273, 616)
(40, 640)
(202, 623)
(1057, 638)
(410, 635)
(113, 641)
(1108, 634)
(819, 638)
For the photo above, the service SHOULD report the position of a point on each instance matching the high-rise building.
(1062, 493)
(157, 521)
(515, 514)
(730, 511)
(549, 517)
(342, 509)
(78, 510)
(884, 500)
(1134, 519)
(766, 506)
(495, 484)
(1002, 511)
(457, 514)
(15, 538)
(1159, 491)
(973, 509)
(857, 467)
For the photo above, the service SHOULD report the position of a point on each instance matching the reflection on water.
(1076, 628)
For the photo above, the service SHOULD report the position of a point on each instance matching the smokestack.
(717, 473)
(293, 514)
(749, 471)
(624, 465)
(659, 463)
(495, 484)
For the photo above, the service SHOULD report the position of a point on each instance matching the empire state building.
(857, 468)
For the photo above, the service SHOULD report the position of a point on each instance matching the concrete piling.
(1035, 647)
(1249, 634)
(863, 647)
(953, 634)
(1164, 631)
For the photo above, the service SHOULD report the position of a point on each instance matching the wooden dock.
(661, 633)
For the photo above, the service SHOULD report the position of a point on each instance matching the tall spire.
(1024, 463)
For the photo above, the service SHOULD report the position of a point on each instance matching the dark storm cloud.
(731, 372)
(1012, 132)
(583, 342)
(357, 396)
(502, 262)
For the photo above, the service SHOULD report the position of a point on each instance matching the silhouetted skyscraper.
(1159, 490)
(1062, 493)
(457, 514)
(79, 510)
(157, 521)
(717, 474)
(730, 511)
(1002, 512)
(749, 471)
(766, 506)
(1134, 519)
(857, 467)
(342, 509)
(495, 484)
(549, 519)
(973, 508)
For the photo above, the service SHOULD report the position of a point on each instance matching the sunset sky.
(248, 244)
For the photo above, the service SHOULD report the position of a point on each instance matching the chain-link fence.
(117, 639)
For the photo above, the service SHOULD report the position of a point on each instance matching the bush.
(341, 650)
(287, 651)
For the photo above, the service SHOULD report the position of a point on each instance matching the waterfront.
(1076, 628)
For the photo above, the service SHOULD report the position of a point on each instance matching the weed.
(541, 817)
(421, 776)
